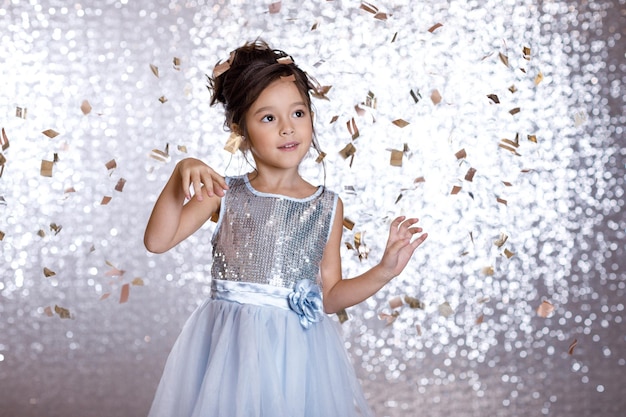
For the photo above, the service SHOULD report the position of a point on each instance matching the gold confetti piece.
(1, 235)
(124, 293)
(435, 27)
(368, 7)
(221, 68)
(56, 228)
(120, 185)
(114, 271)
(21, 112)
(480, 319)
(176, 63)
(499, 242)
(483, 300)
(137, 282)
(320, 91)
(85, 107)
(51, 133)
(162, 99)
(507, 184)
(370, 100)
(494, 98)
(275, 7)
(398, 198)
(342, 315)
(4, 140)
(233, 143)
(445, 309)
(580, 117)
(488, 270)
(419, 179)
(395, 36)
(62, 312)
(396, 158)
(354, 131)
(395, 302)
(105, 296)
(334, 119)
(182, 148)
(159, 155)
(435, 97)
(347, 151)
(501, 201)
(526, 53)
(508, 148)
(400, 123)
(545, 309)
(48, 311)
(105, 200)
(314, 26)
(532, 138)
(155, 70)
(470, 174)
(48, 273)
(413, 302)
(508, 253)
(389, 318)
(513, 89)
(347, 223)
(538, 78)
(46, 168)
(515, 110)
(111, 164)
(504, 58)
(69, 190)
(416, 95)
(41, 233)
(418, 328)
(285, 60)
(380, 16)
(461, 154)
(455, 190)
(572, 345)
(320, 157)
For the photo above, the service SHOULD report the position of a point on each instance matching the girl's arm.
(172, 220)
(341, 293)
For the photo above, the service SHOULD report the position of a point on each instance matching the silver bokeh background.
(561, 198)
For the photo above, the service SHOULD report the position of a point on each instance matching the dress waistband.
(250, 293)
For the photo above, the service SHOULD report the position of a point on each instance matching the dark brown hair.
(251, 68)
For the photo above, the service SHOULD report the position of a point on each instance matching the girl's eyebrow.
(270, 108)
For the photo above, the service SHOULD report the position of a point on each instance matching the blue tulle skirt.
(254, 358)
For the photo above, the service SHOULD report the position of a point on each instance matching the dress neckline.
(275, 195)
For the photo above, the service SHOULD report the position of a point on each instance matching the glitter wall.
(503, 119)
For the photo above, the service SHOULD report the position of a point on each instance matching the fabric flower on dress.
(306, 301)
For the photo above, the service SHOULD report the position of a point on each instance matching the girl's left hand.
(401, 245)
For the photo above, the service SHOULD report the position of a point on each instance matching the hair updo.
(250, 69)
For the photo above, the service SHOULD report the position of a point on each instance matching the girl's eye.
(299, 113)
(268, 118)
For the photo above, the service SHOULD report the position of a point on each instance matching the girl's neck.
(289, 184)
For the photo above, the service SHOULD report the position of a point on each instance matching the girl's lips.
(289, 146)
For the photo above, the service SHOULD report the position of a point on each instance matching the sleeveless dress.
(261, 345)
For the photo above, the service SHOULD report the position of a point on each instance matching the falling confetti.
(435, 27)
(445, 310)
(85, 107)
(545, 309)
(51, 133)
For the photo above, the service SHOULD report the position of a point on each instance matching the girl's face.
(279, 126)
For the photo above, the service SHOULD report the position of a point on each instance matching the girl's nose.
(286, 130)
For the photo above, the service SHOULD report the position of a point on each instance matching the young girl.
(262, 345)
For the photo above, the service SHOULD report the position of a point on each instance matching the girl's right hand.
(195, 173)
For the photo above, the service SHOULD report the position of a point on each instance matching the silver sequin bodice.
(270, 239)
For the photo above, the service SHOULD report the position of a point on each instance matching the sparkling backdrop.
(532, 92)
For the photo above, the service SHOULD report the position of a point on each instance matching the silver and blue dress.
(262, 345)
